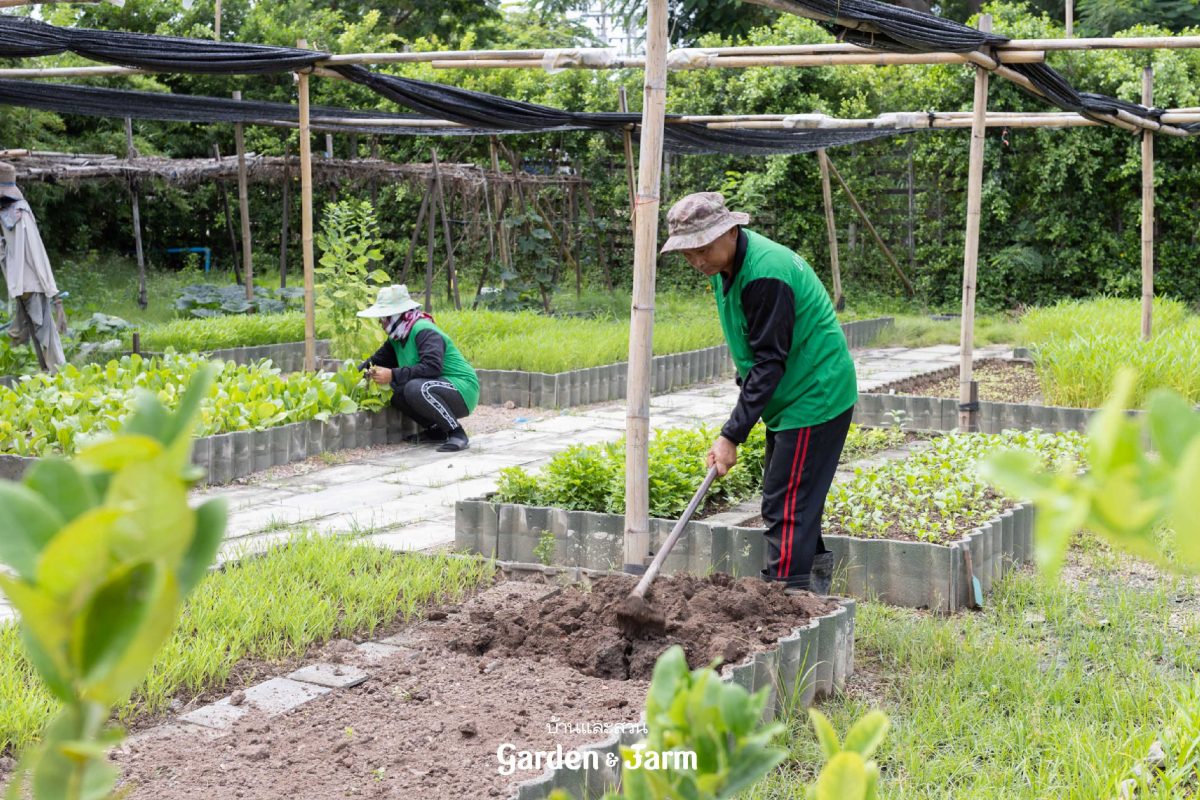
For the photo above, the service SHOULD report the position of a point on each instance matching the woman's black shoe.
(427, 436)
(457, 440)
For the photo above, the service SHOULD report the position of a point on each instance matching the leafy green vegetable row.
(55, 414)
(936, 494)
(592, 477)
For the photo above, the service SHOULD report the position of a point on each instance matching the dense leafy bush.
(55, 414)
(1082, 346)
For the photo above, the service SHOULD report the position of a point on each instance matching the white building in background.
(610, 29)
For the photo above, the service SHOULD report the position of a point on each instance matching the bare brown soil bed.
(714, 617)
(1000, 381)
(531, 666)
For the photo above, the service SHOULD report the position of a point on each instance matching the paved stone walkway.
(402, 497)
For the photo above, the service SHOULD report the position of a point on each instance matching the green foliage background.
(1061, 207)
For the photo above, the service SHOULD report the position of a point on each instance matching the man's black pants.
(433, 403)
(797, 473)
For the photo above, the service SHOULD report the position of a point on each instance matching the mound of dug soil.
(713, 617)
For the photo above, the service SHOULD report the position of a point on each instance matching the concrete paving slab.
(333, 676)
(219, 715)
(257, 520)
(278, 695)
(424, 536)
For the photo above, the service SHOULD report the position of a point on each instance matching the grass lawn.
(1051, 691)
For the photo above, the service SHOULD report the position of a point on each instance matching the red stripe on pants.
(789, 511)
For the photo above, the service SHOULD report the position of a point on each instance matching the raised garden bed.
(527, 666)
(899, 528)
(605, 383)
(929, 402)
(226, 457)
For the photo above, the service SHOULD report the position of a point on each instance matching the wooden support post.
(501, 231)
(1147, 210)
(839, 300)
(1070, 18)
(217, 20)
(968, 403)
(412, 245)
(451, 274)
(131, 152)
(628, 138)
(887, 252)
(239, 140)
(641, 325)
(306, 225)
(233, 245)
(287, 213)
(329, 145)
(491, 237)
(429, 250)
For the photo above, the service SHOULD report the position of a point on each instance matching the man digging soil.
(794, 369)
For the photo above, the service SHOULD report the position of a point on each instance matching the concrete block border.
(812, 662)
(226, 457)
(917, 412)
(902, 573)
(602, 384)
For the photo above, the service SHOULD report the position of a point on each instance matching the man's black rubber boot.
(822, 574)
(455, 441)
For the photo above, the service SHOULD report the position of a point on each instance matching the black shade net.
(478, 109)
(96, 102)
(880, 26)
(21, 37)
(482, 115)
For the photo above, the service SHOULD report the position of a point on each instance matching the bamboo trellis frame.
(656, 68)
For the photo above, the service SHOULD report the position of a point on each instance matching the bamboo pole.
(131, 153)
(217, 21)
(768, 55)
(239, 140)
(968, 415)
(233, 245)
(1070, 18)
(501, 232)
(429, 241)
(627, 136)
(451, 274)
(412, 245)
(287, 213)
(1147, 210)
(641, 327)
(306, 224)
(862, 57)
(839, 301)
(887, 251)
